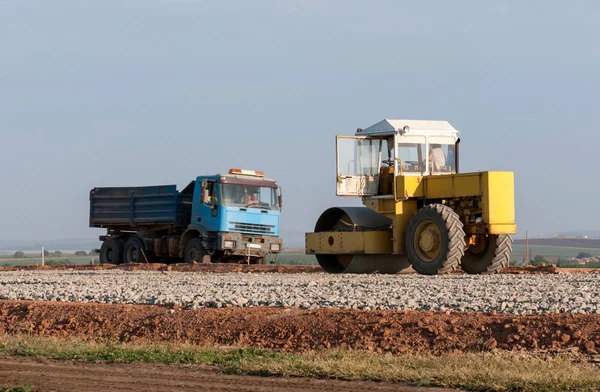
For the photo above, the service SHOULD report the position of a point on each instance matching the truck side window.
(209, 187)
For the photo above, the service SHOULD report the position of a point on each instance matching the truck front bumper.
(248, 245)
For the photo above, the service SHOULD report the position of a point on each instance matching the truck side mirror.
(279, 199)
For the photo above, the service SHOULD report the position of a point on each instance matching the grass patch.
(481, 371)
(293, 259)
(21, 388)
(74, 260)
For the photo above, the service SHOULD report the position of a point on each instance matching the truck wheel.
(133, 251)
(195, 252)
(111, 251)
(435, 240)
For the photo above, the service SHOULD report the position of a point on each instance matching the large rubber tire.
(492, 259)
(132, 252)
(195, 252)
(446, 236)
(111, 251)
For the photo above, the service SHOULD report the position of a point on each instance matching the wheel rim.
(132, 254)
(428, 241)
(110, 255)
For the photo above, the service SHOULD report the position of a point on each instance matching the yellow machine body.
(493, 190)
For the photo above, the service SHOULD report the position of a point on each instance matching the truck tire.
(132, 252)
(435, 240)
(195, 252)
(111, 251)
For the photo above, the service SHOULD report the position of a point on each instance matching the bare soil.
(297, 330)
(179, 267)
(47, 375)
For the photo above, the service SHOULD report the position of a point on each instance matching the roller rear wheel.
(435, 240)
(489, 256)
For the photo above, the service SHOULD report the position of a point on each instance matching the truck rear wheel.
(195, 252)
(435, 240)
(111, 251)
(133, 251)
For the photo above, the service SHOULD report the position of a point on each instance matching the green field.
(10, 261)
(294, 259)
(282, 259)
(550, 252)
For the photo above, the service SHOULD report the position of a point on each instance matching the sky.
(113, 93)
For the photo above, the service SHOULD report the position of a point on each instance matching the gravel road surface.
(516, 294)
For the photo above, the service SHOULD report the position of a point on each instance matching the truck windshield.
(249, 196)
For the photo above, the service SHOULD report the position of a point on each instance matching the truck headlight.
(275, 247)
(228, 244)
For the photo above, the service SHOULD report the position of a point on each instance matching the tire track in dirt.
(48, 375)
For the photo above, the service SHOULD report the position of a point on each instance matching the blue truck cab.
(229, 217)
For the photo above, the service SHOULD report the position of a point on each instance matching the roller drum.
(358, 219)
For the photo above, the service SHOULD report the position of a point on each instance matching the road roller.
(418, 213)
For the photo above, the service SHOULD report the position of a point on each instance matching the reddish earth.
(296, 330)
(49, 375)
(269, 268)
(216, 268)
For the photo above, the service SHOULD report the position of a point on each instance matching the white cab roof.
(391, 126)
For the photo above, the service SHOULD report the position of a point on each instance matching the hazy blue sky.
(101, 93)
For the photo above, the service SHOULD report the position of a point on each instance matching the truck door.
(209, 207)
(358, 162)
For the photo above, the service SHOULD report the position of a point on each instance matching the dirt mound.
(546, 269)
(182, 267)
(298, 330)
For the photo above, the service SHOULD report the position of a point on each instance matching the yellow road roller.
(420, 213)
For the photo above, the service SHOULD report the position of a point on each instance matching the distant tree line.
(21, 255)
(539, 260)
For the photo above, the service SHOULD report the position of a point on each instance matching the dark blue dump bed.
(144, 207)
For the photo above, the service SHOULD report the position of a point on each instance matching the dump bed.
(138, 208)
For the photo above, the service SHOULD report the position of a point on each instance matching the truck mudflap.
(237, 244)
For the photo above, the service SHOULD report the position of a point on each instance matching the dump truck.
(224, 218)
(418, 213)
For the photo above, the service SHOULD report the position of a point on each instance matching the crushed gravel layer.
(516, 294)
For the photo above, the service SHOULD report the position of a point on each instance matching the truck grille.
(251, 228)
